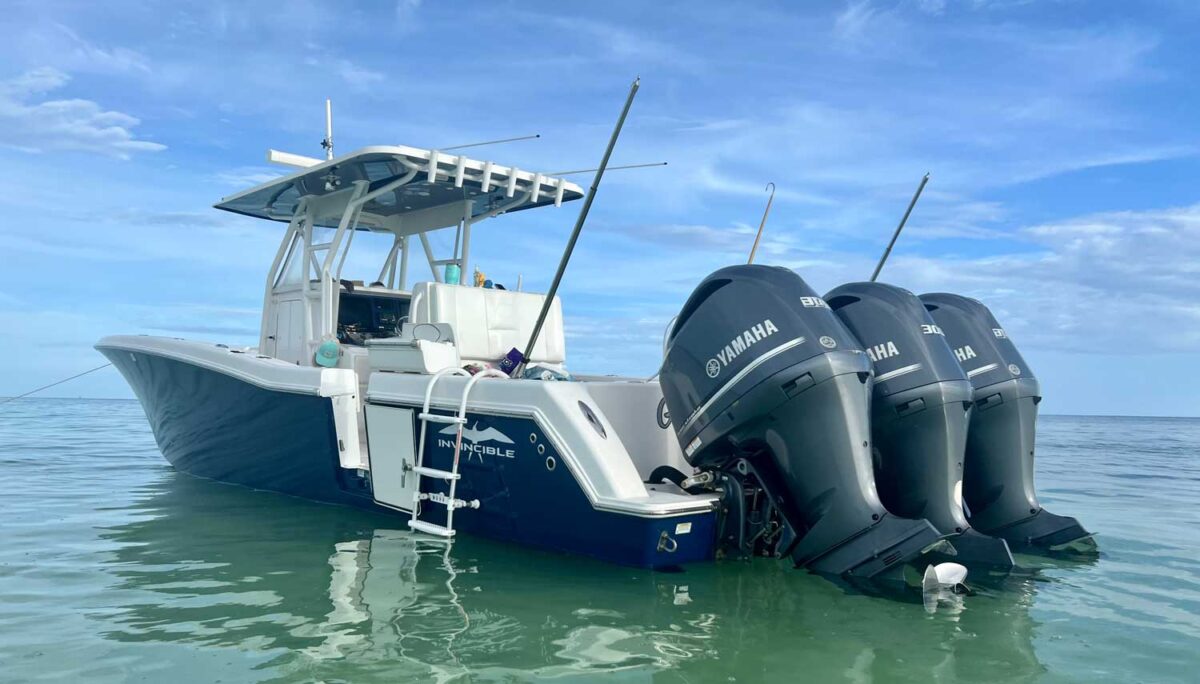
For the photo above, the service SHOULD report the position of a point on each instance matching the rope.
(77, 375)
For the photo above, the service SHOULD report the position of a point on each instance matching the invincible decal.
(474, 441)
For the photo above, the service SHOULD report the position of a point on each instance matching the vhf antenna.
(327, 143)
(888, 251)
(763, 223)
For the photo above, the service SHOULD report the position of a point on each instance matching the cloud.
(616, 43)
(406, 14)
(244, 177)
(1109, 283)
(852, 22)
(935, 7)
(35, 125)
(81, 54)
(1117, 282)
(358, 77)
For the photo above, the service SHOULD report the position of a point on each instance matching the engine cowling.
(998, 483)
(768, 388)
(920, 412)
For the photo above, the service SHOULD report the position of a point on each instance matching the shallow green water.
(115, 568)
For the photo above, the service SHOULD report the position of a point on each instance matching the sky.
(1061, 136)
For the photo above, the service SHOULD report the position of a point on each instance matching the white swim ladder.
(452, 476)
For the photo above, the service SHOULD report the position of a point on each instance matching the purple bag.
(511, 360)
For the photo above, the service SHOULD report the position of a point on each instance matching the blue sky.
(1062, 138)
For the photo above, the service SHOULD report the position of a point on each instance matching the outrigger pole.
(583, 212)
(763, 223)
(614, 168)
(888, 251)
(535, 136)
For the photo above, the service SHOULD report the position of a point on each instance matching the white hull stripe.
(741, 374)
(982, 369)
(898, 372)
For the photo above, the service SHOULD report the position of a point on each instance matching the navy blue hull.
(216, 426)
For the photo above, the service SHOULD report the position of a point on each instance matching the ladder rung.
(434, 472)
(436, 418)
(430, 528)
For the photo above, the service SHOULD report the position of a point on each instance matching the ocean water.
(115, 568)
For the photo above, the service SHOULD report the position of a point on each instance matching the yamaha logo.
(746, 339)
(1014, 369)
(713, 368)
(828, 342)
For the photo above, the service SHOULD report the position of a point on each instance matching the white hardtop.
(402, 190)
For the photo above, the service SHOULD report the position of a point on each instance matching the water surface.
(113, 567)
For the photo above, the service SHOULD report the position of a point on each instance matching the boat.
(561, 465)
(412, 396)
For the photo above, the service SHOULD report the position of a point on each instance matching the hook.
(772, 187)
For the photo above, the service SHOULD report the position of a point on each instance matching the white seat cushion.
(488, 323)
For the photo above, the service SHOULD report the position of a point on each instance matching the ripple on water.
(116, 568)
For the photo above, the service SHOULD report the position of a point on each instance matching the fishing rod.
(53, 384)
(888, 251)
(763, 223)
(583, 212)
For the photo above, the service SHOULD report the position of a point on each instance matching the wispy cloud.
(851, 23)
(243, 177)
(86, 55)
(35, 124)
(358, 77)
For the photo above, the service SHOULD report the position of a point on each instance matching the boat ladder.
(452, 476)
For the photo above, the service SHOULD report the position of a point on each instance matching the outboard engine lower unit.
(998, 482)
(769, 395)
(920, 410)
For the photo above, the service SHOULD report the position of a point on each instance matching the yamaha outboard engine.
(769, 394)
(919, 414)
(998, 482)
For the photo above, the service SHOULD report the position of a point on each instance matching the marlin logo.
(473, 441)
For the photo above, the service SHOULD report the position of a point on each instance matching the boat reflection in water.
(323, 593)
